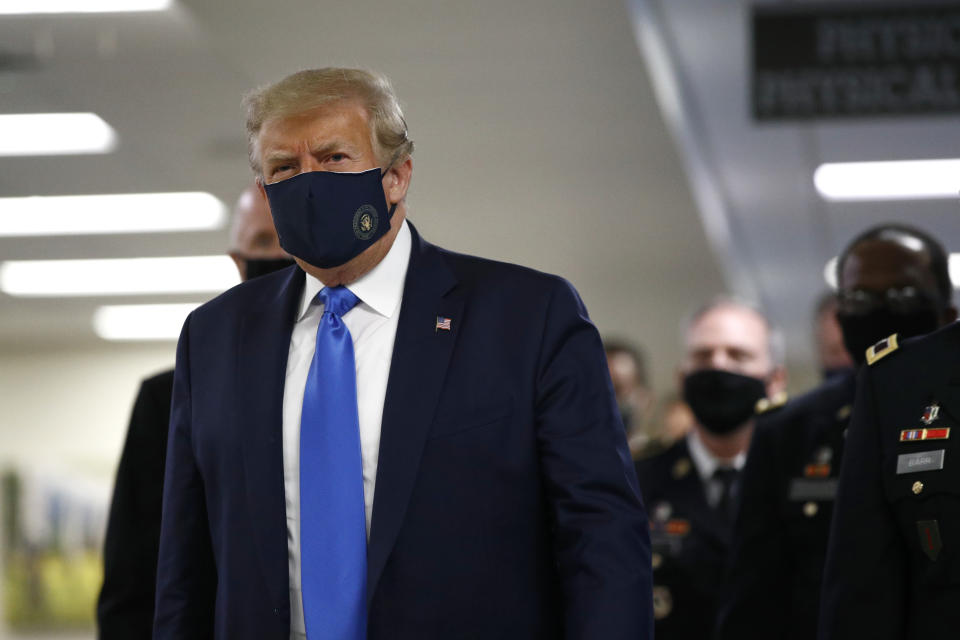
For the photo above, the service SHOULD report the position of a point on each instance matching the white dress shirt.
(707, 463)
(373, 328)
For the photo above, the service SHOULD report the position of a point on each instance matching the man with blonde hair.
(394, 442)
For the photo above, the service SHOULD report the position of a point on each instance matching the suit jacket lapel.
(264, 342)
(421, 355)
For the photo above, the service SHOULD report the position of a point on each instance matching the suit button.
(276, 612)
(810, 509)
(917, 487)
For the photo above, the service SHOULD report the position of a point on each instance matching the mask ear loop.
(389, 166)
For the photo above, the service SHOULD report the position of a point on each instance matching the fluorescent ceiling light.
(131, 276)
(895, 180)
(141, 321)
(11, 7)
(54, 134)
(115, 213)
(830, 271)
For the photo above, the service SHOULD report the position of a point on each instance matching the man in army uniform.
(732, 360)
(892, 567)
(790, 479)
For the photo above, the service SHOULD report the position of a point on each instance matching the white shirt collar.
(705, 461)
(381, 288)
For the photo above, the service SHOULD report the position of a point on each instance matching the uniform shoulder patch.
(765, 405)
(882, 349)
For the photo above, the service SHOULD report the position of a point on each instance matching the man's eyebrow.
(279, 156)
(331, 146)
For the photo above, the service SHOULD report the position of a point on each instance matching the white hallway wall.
(64, 414)
(66, 409)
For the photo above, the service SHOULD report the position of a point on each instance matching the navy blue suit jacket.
(506, 504)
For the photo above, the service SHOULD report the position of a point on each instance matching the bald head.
(252, 235)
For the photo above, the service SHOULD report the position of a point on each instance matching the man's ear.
(398, 181)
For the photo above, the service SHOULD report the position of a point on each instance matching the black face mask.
(257, 267)
(862, 331)
(722, 400)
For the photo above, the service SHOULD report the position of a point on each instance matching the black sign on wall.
(825, 61)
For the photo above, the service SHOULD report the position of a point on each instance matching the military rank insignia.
(769, 404)
(882, 349)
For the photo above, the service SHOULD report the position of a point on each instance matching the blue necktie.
(333, 534)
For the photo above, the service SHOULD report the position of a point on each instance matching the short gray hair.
(775, 340)
(311, 88)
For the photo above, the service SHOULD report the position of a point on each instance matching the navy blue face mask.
(326, 218)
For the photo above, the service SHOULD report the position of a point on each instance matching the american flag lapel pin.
(443, 324)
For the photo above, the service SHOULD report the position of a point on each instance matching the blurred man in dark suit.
(125, 607)
(397, 442)
(732, 361)
(790, 480)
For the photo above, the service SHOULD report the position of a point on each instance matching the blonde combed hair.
(311, 88)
